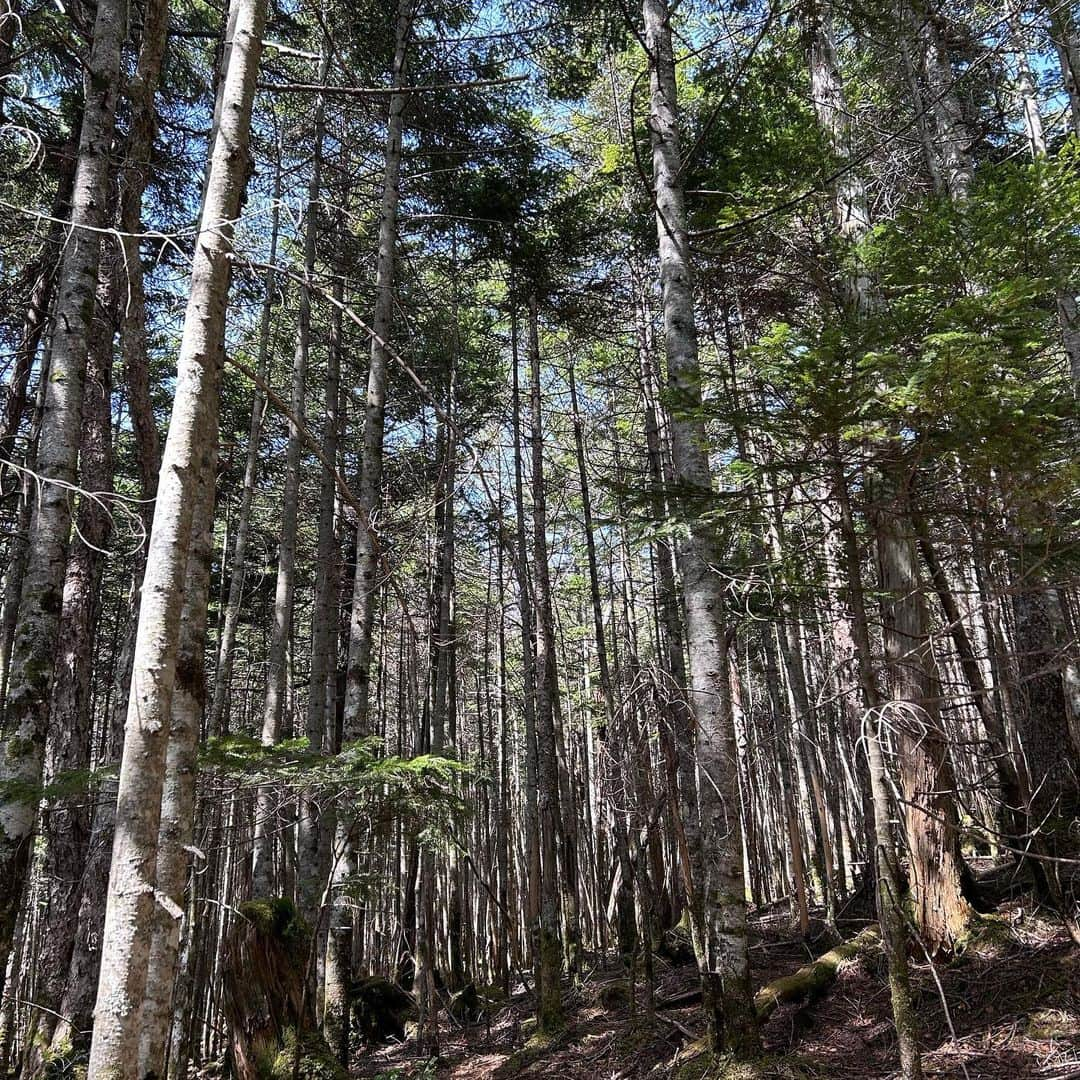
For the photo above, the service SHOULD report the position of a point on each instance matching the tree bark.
(67, 823)
(141, 92)
(928, 783)
(33, 653)
(725, 968)
(177, 826)
(550, 1016)
(262, 874)
(219, 720)
(369, 490)
(125, 945)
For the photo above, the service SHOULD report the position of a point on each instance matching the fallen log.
(806, 984)
(812, 980)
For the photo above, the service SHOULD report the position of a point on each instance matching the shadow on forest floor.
(1008, 1009)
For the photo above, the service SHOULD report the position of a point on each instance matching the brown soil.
(1007, 1009)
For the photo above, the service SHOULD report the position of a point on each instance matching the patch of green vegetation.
(987, 936)
(537, 1045)
(316, 1060)
(64, 1060)
(277, 918)
(700, 1063)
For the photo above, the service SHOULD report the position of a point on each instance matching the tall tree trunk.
(611, 746)
(277, 667)
(35, 316)
(927, 780)
(369, 490)
(1066, 39)
(952, 139)
(890, 888)
(125, 945)
(533, 870)
(356, 703)
(67, 825)
(680, 763)
(311, 842)
(177, 826)
(141, 92)
(33, 653)
(726, 964)
(550, 1016)
(219, 720)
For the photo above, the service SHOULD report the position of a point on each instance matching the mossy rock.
(694, 1061)
(316, 1060)
(538, 1044)
(382, 1009)
(699, 1062)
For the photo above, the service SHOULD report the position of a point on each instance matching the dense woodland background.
(500, 498)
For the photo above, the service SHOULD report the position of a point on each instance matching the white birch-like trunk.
(30, 677)
(129, 910)
(726, 964)
(177, 826)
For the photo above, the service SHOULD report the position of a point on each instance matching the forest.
(539, 539)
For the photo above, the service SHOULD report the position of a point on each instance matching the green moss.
(277, 918)
(550, 1017)
(64, 1060)
(986, 936)
(700, 1063)
(538, 1044)
(1053, 1024)
(316, 1060)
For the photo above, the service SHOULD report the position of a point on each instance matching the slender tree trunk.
(1066, 39)
(67, 825)
(277, 666)
(356, 705)
(142, 132)
(550, 1015)
(42, 291)
(176, 830)
(953, 140)
(369, 490)
(726, 967)
(310, 843)
(31, 676)
(611, 747)
(126, 946)
(890, 890)
(219, 719)
(680, 763)
(528, 664)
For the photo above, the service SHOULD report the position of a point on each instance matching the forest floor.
(1007, 1008)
